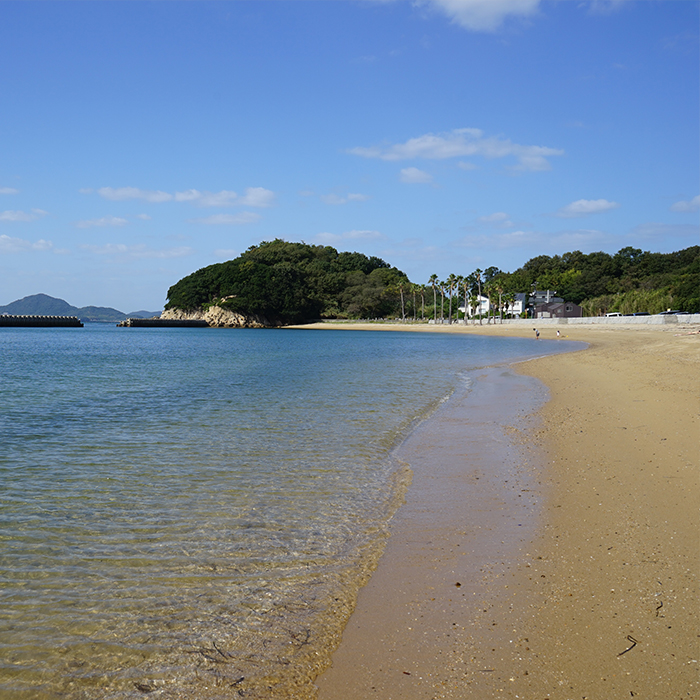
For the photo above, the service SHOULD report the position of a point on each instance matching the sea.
(189, 513)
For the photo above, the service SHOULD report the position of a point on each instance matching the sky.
(141, 141)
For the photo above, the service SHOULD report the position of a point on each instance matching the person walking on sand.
(537, 334)
(558, 333)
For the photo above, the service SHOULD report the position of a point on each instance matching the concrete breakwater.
(40, 321)
(162, 323)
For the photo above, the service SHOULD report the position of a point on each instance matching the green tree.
(433, 282)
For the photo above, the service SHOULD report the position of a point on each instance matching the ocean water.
(188, 513)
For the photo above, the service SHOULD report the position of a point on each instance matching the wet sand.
(577, 557)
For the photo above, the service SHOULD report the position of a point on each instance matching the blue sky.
(142, 141)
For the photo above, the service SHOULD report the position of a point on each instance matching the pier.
(161, 323)
(40, 321)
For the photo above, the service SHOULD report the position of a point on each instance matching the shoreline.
(602, 602)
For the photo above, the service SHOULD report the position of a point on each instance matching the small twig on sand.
(630, 638)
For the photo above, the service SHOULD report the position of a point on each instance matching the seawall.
(40, 321)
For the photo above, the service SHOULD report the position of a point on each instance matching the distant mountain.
(143, 314)
(44, 305)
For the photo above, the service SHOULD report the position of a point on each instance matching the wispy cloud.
(104, 221)
(483, 15)
(562, 240)
(692, 205)
(253, 196)
(605, 7)
(586, 207)
(415, 176)
(659, 232)
(336, 238)
(120, 194)
(22, 215)
(137, 251)
(8, 190)
(246, 217)
(19, 245)
(460, 143)
(335, 199)
(497, 220)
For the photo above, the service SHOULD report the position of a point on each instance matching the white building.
(481, 310)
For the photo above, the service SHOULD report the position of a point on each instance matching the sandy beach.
(577, 575)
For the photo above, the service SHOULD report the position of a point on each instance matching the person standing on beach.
(537, 334)
(558, 333)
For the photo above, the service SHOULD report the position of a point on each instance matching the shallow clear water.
(189, 512)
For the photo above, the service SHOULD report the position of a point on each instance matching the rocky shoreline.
(216, 317)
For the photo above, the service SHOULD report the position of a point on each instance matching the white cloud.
(498, 220)
(137, 251)
(104, 221)
(586, 207)
(22, 215)
(483, 15)
(145, 217)
(462, 142)
(692, 205)
(414, 176)
(257, 197)
(335, 238)
(8, 190)
(335, 199)
(18, 245)
(253, 197)
(120, 194)
(466, 166)
(246, 217)
(578, 239)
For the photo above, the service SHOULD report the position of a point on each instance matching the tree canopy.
(630, 280)
(292, 283)
(295, 282)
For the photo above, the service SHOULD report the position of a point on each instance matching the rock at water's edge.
(216, 317)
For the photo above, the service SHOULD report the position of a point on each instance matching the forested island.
(280, 283)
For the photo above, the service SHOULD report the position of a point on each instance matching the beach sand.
(569, 573)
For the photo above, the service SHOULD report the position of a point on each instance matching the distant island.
(44, 305)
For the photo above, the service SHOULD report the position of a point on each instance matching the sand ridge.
(603, 601)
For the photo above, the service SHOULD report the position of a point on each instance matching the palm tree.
(474, 303)
(433, 281)
(499, 288)
(401, 285)
(458, 282)
(489, 294)
(442, 301)
(465, 286)
(508, 300)
(477, 278)
(414, 290)
(451, 280)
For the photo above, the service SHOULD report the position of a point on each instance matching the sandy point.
(602, 601)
